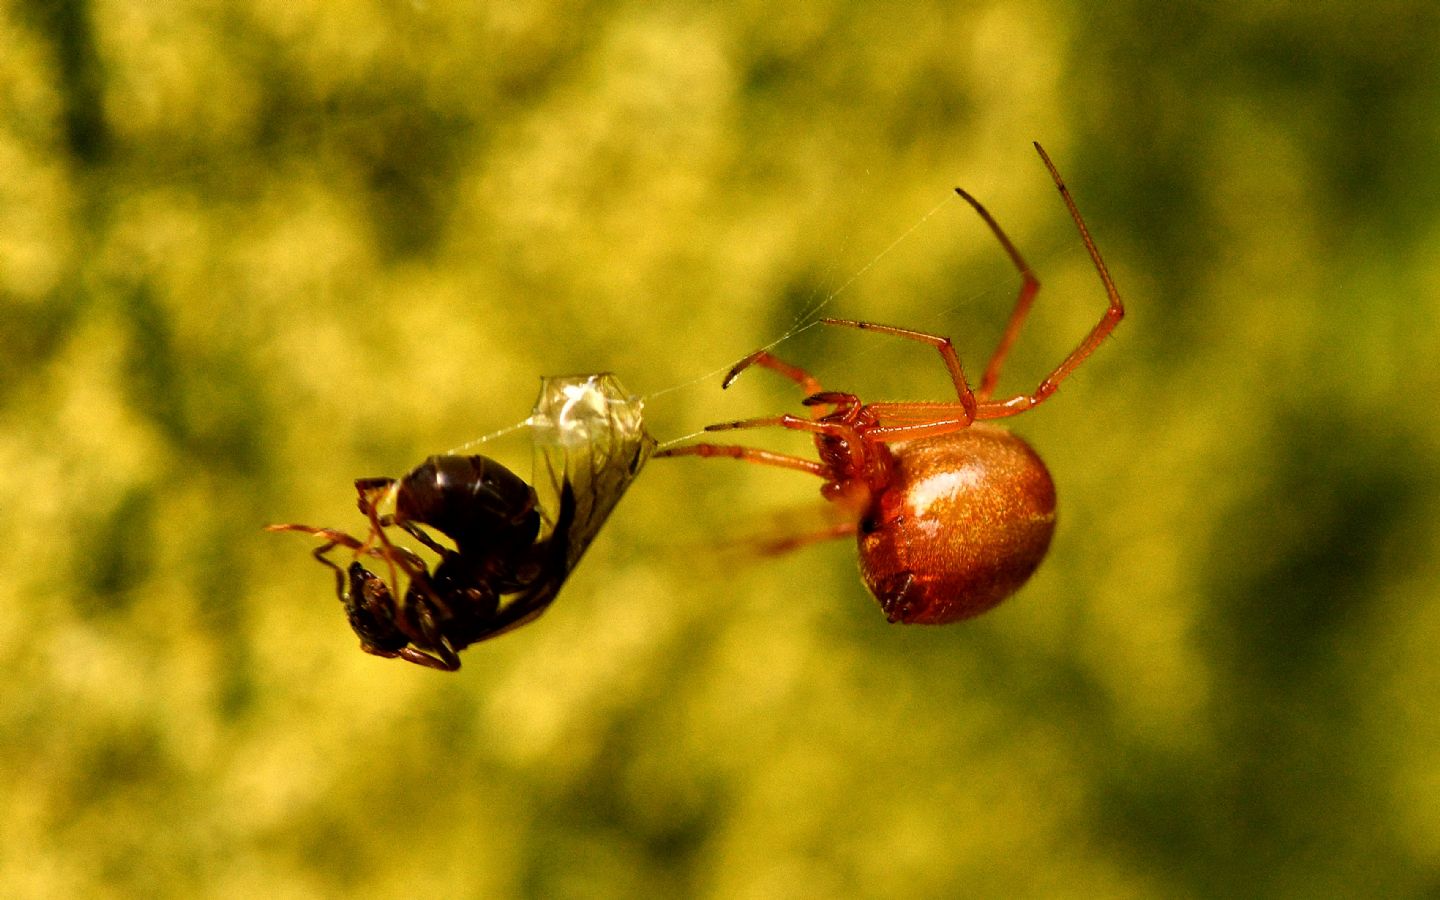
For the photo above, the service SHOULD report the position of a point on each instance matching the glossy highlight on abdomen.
(965, 522)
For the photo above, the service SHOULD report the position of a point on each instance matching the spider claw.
(836, 398)
(739, 367)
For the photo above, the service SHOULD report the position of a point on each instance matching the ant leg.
(418, 657)
(1029, 286)
(446, 662)
(372, 492)
(419, 534)
(749, 454)
(333, 539)
(415, 570)
(942, 344)
(321, 554)
(441, 656)
(1114, 312)
(368, 488)
(329, 534)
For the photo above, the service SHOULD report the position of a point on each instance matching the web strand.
(808, 318)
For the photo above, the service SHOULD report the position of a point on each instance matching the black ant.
(512, 553)
(493, 518)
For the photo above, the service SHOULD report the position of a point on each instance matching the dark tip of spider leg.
(739, 367)
(838, 398)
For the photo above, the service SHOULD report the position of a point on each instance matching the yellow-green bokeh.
(250, 252)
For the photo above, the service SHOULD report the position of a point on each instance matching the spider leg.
(848, 435)
(833, 429)
(891, 423)
(795, 542)
(840, 403)
(767, 360)
(942, 344)
(749, 454)
(1114, 312)
(1029, 286)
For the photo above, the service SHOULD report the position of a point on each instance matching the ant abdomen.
(473, 500)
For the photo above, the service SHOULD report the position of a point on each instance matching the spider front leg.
(767, 360)
(839, 431)
(748, 454)
(781, 546)
(815, 395)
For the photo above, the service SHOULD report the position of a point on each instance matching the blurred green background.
(250, 252)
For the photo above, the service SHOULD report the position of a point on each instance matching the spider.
(952, 515)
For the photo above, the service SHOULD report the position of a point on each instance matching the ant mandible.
(952, 515)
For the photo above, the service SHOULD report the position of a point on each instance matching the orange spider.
(952, 515)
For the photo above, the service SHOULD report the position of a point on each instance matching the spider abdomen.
(965, 520)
